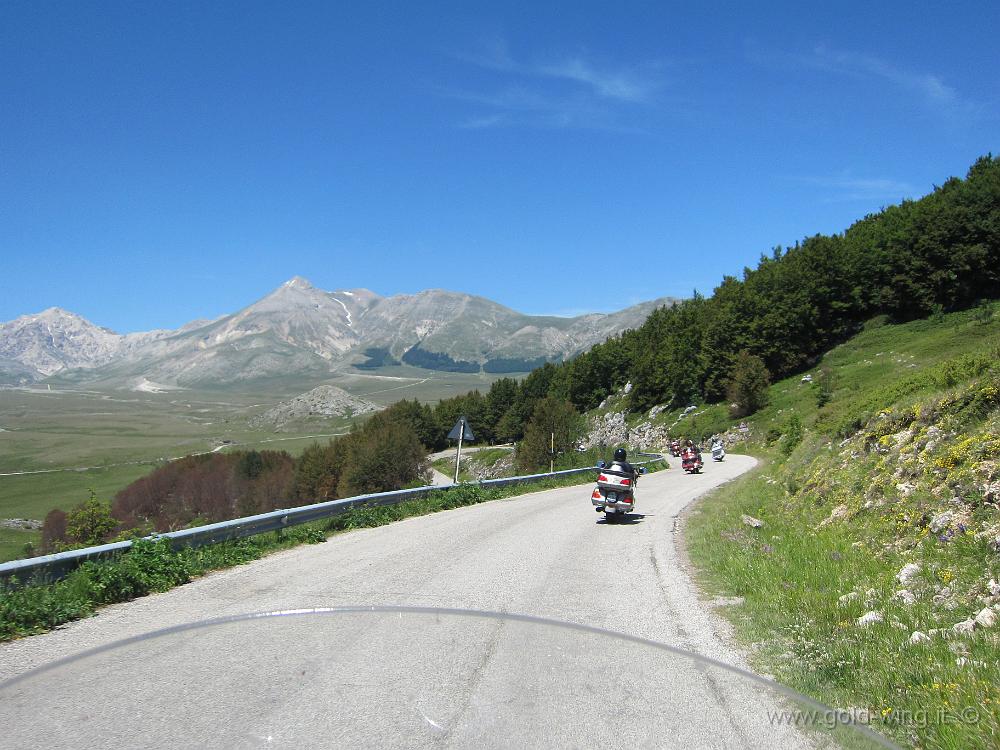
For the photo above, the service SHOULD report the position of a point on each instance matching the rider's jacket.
(624, 467)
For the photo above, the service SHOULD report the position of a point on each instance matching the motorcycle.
(718, 452)
(691, 461)
(675, 448)
(615, 491)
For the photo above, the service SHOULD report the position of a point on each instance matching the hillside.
(319, 405)
(871, 582)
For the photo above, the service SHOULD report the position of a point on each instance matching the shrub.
(53, 530)
(747, 385)
(793, 435)
(90, 522)
(554, 424)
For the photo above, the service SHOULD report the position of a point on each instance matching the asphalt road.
(410, 679)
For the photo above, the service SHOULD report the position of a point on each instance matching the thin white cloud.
(635, 84)
(930, 87)
(610, 84)
(930, 90)
(520, 106)
(560, 92)
(846, 187)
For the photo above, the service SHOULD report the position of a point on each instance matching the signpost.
(460, 432)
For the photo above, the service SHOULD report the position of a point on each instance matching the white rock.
(941, 521)
(838, 513)
(848, 598)
(965, 627)
(908, 572)
(994, 587)
(918, 637)
(961, 661)
(751, 521)
(906, 597)
(870, 617)
(986, 618)
(901, 438)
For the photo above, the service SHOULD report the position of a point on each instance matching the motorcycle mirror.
(642, 469)
(601, 464)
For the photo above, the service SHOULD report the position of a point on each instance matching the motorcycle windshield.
(406, 677)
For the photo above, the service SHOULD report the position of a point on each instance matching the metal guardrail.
(56, 566)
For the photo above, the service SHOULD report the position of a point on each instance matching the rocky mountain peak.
(54, 339)
(298, 282)
(299, 328)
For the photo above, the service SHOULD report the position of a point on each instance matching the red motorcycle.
(691, 461)
(675, 448)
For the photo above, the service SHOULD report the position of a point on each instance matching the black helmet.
(619, 454)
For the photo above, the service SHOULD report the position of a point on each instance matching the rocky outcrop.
(324, 401)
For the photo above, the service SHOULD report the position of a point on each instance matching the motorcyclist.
(620, 464)
(690, 445)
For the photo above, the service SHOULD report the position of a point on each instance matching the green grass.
(13, 542)
(868, 368)
(791, 576)
(482, 458)
(33, 495)
(887, 482)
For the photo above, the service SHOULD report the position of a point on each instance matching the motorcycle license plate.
(612, 496)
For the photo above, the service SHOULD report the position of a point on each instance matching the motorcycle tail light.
(597, 494)
(602, 478)
(626, 482)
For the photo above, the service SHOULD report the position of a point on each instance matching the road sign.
(462, 431)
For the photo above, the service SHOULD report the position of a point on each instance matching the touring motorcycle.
(615, 491)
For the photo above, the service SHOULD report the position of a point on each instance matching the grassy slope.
(481, 459)
(842, 518)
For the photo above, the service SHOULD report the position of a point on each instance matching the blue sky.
(161, 162)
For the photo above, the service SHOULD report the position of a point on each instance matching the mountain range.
(301, 329)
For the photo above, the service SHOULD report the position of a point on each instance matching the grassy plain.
(73, 438)
(13, 541)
